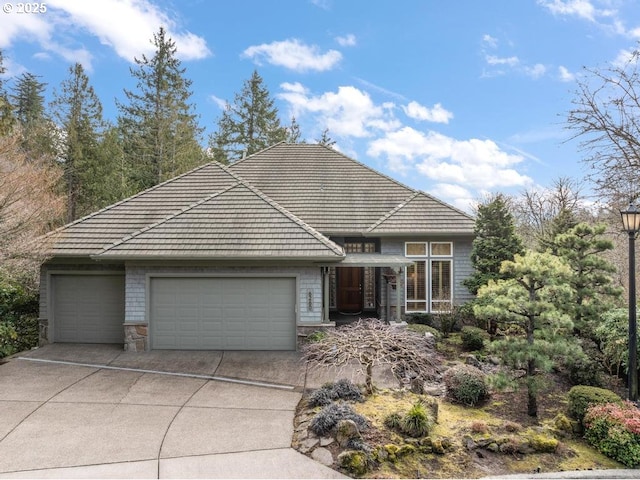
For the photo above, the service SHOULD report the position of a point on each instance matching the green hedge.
(581, 397)
(18, 318)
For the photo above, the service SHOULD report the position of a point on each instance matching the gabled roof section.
(423, 214)
(238, 223)
(89, 235)
(332, 192)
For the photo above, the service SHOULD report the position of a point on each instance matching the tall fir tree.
(248, 125)
(39, 137)
(78, 111)
(495, 241)
(564, 221)
(158, 124)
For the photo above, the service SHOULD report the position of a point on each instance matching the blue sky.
(456, 98)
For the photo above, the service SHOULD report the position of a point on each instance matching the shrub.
(421, 318)
(582, 397)
(393, 421)
(343, 389)
(543, 444)
(585, 371)
(416, 422)
(614, 429)
(479, 427)
(473, 338)
(316, 336)
(466, 384)
(329, 416)
(18, 318)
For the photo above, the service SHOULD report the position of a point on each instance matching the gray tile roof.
(281, 202)
(332, 192)
(89, 235)
(237, 223)
(426, 214)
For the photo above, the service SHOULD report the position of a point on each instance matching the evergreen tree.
(594, 294)
(325, 139)
(495, 241)
(564, 221)
(38, 133)
(294, 134)
(248, 125)
(531, 304)
(158, 125)
(79, 112)
(7, 119)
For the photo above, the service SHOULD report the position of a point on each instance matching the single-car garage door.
(223, 313)
(88, 308)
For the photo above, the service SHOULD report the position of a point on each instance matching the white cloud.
(419, 112)
(221, 103)
(127, 26)
(456, 195)
(536, 71)
(349, 112)
(473, 163)
(489, 41)
(495, 60)
(579, 8)
(565, 74)
(347, 40)
(294, 55)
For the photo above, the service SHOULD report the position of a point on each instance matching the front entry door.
(349, 289)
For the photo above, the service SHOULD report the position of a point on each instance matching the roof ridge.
(146, 228)
(315, 233)
(393, 211)
(256, 153)
(120, 202)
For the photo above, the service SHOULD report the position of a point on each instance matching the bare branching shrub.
(30, 205)
(369, 343)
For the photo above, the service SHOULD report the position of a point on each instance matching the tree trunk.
(369, 379)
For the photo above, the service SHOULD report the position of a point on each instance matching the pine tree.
(158, 125)
(79, 112)
(594, 293)
(248, 125)
(495, 241)
(564, 221)
(7, 119)
(38, 133)
(531, 304)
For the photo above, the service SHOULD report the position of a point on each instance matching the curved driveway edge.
(59, 420)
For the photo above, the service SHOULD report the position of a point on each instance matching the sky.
(459, 98)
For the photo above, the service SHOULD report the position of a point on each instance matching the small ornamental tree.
(529, 307)
(370, 343)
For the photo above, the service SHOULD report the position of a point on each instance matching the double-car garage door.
(196, 313)
(222, 313)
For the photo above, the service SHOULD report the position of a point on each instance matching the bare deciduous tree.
(30, 204)
(370, 343)
(606, 118)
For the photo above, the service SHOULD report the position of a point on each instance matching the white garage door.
(223, 313)
(88, 308)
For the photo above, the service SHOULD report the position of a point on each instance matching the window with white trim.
(429, 281)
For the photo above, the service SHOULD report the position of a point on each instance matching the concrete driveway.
(94, 411)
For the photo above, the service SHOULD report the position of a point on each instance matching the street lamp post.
(631, 224)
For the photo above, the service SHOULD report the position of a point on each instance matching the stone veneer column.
(135, 337)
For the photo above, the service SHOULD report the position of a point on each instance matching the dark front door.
(349, 289)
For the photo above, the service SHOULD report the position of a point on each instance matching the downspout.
(325, 294)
